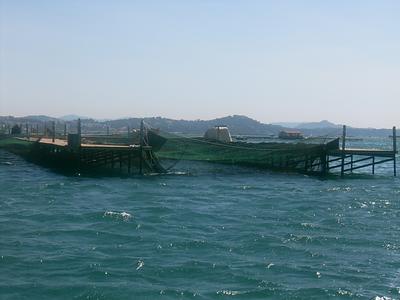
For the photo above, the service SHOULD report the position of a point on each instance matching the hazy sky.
(269, 60)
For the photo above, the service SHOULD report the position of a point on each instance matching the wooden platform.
(351, 159)
(63, 143)
(90, 156)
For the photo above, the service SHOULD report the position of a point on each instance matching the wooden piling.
(141, 148)
(80, 131)
(343, 150)
(394, 150)
(373, 165)
(53, 128)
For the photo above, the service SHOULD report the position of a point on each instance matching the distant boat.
(291, 135)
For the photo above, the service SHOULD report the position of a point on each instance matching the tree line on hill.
(238, 125)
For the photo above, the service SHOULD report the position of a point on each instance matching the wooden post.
(79, 132)
(141, 148)
(373, 165)
(352, 163)
(394, 150)
(343, 149)
(53, 125)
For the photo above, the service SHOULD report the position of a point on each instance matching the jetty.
(351, 159)
(140, 152)
(73, 152)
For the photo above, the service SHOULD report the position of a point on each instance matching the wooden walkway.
(351, 159)
(88, 156)
(64, 143)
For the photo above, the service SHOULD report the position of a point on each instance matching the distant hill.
(287, 124)
(72, 117)
(238, 125)
(315, 125)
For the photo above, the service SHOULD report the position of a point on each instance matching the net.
(301, 156)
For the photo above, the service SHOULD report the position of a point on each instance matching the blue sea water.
(204, 232)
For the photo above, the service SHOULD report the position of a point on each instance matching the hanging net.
(301, 156)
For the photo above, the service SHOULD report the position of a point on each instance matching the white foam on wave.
(118, 215)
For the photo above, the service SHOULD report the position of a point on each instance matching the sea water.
(205, 231)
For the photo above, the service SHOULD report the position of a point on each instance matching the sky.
(274, 61)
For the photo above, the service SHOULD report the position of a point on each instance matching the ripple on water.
(204, 235)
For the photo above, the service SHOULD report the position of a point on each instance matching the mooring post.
(394, 150)
(343, 149)
(373, 165)
(79, 132)
(79, 145)
(141, 148)
(53, 129)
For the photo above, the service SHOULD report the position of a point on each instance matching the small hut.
(218, 133)
(290, 135)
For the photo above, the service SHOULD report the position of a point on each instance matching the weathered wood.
(373, 165)
(80, 131)
(141, 147)
(368, 165)
(53, 130)
(343, 149)
(394, 151)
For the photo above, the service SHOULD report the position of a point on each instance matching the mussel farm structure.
(146, 152)
(74, 153)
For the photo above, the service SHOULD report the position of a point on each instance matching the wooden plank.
(367, 165)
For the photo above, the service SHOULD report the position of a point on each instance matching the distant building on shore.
(290, 135)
